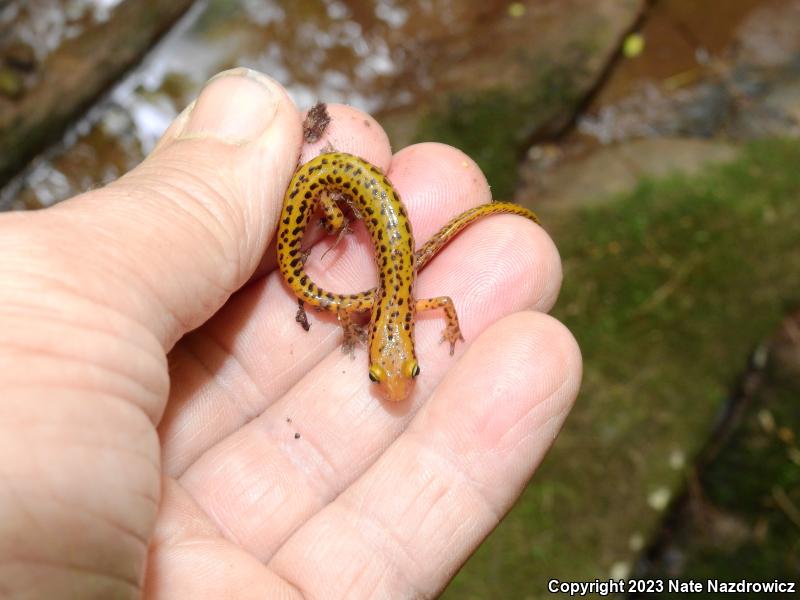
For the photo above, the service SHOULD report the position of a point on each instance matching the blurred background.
(658, 141)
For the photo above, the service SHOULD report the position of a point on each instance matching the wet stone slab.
(57, 58)
(523, 66)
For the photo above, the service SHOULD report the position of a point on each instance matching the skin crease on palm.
(249, 458)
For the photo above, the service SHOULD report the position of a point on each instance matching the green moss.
(495, 126)
(744, 520)
(667, 289)
(11, 84)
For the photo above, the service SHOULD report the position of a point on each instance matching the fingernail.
(236, 106)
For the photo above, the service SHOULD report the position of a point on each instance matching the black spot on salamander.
(357, 172)
(346, 185)
(289, 209)
(324, 161)
(408, 227)
(406, 326)
(286, 220)
(296, 272)
(293, 252)
(338, 179)
(296, 230)
(313, 185)
(294, 262)
(294, 193)
(370, 210)
(299, 219)
(378, 313)
(374, 221)
(380, 234)
(307, 195)
(290, 280)
(280, 246)
(329, 295)
(399, 302)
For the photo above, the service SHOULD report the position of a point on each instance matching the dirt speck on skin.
(367, 124)
(316, 122)
(297, 436)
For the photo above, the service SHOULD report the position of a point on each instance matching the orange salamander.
(336, 177)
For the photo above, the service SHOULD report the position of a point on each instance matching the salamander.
(335, 178)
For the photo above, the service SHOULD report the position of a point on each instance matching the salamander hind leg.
(353, 333)
(452, 331)
(301, 316)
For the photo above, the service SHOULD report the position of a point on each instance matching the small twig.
(786, 505)
(668, 287)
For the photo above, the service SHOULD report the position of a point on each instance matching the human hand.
(166, 426)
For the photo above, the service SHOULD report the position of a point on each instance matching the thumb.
(169, 242)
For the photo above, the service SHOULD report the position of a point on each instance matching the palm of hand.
(223, 499)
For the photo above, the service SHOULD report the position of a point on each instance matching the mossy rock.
(668, 289)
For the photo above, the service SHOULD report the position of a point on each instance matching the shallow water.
(374, 54)
(382, 56)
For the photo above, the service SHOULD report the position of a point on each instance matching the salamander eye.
(410, 368)
(376, 373)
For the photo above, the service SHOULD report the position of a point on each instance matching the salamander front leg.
(452, 332)
(333, 218)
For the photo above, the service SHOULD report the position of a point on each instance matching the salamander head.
(395, 378)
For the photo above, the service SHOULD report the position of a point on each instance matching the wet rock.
(520, 79)
(770, 36)
(785, 99)
(599, 175)
(20, 56)
(74, 74)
